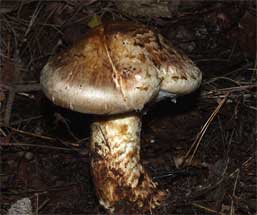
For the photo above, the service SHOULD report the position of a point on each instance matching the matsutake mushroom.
(113, 72)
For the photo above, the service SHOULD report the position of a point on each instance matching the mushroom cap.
(116, 68)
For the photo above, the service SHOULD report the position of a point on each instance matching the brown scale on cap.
(117, 69)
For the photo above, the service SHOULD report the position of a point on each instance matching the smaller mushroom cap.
(116, 68)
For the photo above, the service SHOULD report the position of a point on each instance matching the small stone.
(29, 155)
(21, 207)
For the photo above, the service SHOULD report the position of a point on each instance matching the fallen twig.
(229, 89)
(23, 87)
(40, 146)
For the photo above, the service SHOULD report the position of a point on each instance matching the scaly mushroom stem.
(118, 174)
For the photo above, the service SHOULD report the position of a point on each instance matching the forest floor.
(44, 149)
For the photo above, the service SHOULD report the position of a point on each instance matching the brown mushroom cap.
(116, 68)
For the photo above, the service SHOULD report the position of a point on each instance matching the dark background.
(44, 148)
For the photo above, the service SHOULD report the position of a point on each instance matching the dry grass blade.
(28, 133)
(194, 147)
(232, 208)
(209, 210)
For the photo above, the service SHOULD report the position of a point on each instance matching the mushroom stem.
(118, 175)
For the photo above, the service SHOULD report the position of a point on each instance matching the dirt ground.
(44, 148)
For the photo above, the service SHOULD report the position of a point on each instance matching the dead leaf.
(94, 21)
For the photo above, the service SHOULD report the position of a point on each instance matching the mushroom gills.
(166, 95)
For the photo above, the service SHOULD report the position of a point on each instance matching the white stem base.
(118, 175)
